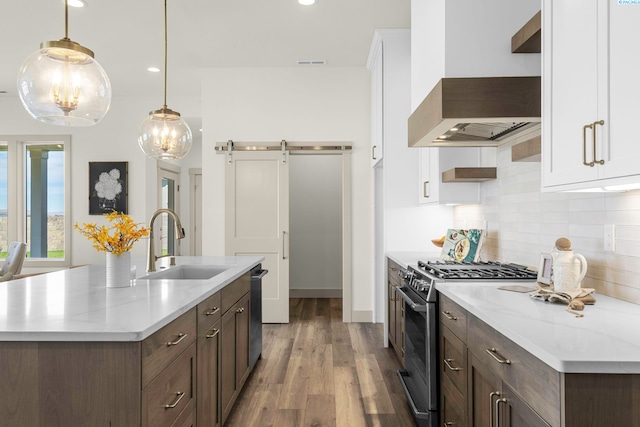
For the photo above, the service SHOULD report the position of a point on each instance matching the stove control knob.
(405, 274)
(421, 284)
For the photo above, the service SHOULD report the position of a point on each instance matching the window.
(35, 198)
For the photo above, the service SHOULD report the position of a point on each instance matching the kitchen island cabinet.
(589, 137)
(508, 360)
(208, 406)
(137, 356)
(234, 356)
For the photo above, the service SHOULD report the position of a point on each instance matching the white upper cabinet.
(590, 94)
(389, 65)
(377, 108)
(433, 161)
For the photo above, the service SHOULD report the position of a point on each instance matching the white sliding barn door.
(257, 222)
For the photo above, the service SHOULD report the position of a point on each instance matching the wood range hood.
(482, 111)
(477, 112)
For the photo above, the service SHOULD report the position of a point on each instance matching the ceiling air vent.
(311, 62)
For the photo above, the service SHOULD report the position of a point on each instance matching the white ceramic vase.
(118, 270)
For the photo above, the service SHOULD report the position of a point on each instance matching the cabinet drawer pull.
(498, 402)
(373, 152)
(491, 413)
(498, 357)
(240, 310)
(425, 189)
(211, 312)
(450, 366)
(449, 316)
(181, 336)
(178, 398)
(601, 123)
(584, 145)
(448, 424)
(213, 335)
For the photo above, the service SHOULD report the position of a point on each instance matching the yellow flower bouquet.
(118, 237)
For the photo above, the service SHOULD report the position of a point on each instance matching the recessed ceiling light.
(153, 69)
(76, 3)
(306, 2)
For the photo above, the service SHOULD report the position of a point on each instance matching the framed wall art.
(107, 187)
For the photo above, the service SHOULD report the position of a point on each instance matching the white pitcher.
(568, 268)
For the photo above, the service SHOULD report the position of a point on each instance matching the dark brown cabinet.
(478, 368)
(487, 380)
(484, 391)
(494, 403)
(189, 371)
(208, 407)
(208, 374)
(395, 306)
(453, 364)
(515, 412)
(171, 393)
(234, 351)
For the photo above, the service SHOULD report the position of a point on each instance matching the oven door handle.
(415, 306)
(423, 415)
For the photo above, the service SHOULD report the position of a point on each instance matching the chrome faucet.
(151, 255)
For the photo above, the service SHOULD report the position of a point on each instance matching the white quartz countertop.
(605, 340)
(75, 304)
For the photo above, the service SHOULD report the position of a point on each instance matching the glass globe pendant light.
(164, 135)
(62, 84)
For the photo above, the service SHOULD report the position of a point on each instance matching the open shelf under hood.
(476, 112)
(529, 38)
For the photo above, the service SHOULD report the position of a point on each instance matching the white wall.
(296, 104)
(427, 47)
(523, 222)
(315, 221)
(467, 38)
(113, 139)
(478, 38)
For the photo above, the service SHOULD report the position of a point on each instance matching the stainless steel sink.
(187, 272)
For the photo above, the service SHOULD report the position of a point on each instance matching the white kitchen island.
(75, 353)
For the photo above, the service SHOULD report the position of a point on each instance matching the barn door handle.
(284, 238)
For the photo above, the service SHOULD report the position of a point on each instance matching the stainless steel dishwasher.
(255, 332)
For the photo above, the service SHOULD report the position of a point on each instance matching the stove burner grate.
(452, 270)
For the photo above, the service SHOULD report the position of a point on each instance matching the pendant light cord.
(165, 54)
(66, 20)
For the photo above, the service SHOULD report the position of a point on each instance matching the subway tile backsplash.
(522, 222)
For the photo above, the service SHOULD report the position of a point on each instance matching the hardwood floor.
(317, 371)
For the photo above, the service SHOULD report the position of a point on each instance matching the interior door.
(196, 214)
(169, 186)
(257, 222)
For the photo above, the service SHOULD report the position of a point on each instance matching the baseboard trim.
(315, 293)
(362, 316)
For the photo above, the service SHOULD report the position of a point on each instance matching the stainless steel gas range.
(420, 376)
